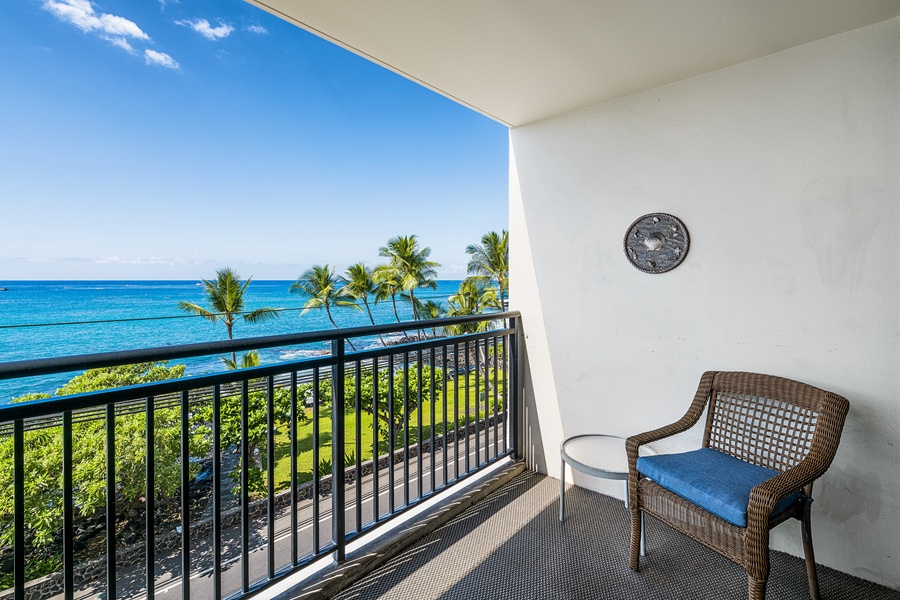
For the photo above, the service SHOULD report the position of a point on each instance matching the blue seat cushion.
(716, 482)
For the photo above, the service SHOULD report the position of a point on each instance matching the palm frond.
(194, 309)
(311, 304)
(261, 315)
(347, 304)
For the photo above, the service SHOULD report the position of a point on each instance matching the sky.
(165, 139)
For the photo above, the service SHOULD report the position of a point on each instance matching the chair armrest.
(763, 499)
(690, 418)
(765, 496)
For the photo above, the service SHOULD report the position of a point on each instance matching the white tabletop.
(599, 455)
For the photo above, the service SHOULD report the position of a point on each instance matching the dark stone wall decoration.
(657, 243)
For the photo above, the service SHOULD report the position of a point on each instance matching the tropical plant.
(43, 449)
(326, 463)
(431, 310)
(474, 295)
(490, 260)
(390, 406)
(226, 296)
(322, 289)
(248, 359)
(359, 284)
(324, 467)
(258, 428)
(388, 286)
(471, 298)
(409, 265)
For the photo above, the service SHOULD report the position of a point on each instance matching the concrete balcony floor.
(511, 545)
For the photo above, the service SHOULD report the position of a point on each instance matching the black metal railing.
(221, 484)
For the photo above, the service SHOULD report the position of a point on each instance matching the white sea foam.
(294, 354)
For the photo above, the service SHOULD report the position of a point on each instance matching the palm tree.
(226, 296)
(410, 266)
(248, 359)
(472, 297)
(431, 310)
(321, 286)
(388, 286)
(490, 260)
(359, 284)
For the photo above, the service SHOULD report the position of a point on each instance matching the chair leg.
(806, 527)
(756, 588)
(635, 554)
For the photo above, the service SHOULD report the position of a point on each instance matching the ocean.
(42, 319)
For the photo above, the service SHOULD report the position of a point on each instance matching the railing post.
(68, 509)
(217, 490)
(19, 509)
(518, 398)
(245, 486)
(111, 501)
(150, 498)
(337, 451)
(185, 495)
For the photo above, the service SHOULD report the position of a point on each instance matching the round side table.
(598, 455)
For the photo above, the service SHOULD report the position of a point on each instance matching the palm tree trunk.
(394, 302)
(229, 327)
(372, 319)
(488, 386)
(330, 318)
(412, 299)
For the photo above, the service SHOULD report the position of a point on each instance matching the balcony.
(770, 129)
(455, 405)
(512, 545)
(249, 474)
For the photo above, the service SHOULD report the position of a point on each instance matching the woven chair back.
(749, 419)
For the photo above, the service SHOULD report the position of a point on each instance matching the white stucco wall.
(785, 171)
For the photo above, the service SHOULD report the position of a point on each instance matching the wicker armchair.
(790, 428)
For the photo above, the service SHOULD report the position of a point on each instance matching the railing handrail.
(65, 364)
(44, 407)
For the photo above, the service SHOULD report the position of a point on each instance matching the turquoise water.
(42, 302)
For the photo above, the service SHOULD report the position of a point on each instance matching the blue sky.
(162, 140)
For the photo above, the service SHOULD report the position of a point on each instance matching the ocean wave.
(294, 354)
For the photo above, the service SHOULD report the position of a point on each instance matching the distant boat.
(4, 289)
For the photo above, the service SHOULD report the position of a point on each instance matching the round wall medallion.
(657, 243)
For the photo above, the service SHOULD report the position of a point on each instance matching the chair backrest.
(769, 421)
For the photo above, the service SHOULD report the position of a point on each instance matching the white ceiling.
(520, 61)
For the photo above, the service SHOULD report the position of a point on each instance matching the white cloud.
(257, 29)
(134, 261)
(118, 31)
(152, 57)
(121, 43)
(454, 270)
(203, 27)
(82, 15)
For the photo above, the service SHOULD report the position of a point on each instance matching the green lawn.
(305, 431)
